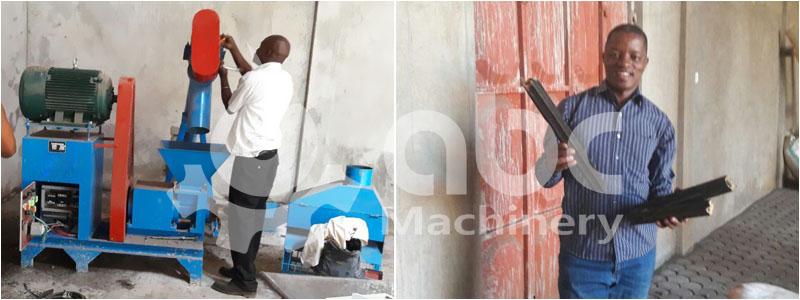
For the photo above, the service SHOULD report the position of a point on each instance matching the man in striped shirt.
(599, 260)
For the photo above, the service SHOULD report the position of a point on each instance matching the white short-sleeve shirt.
(259, 102)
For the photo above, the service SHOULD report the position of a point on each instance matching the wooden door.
(559, 43)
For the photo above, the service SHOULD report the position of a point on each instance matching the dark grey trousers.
(251, 183)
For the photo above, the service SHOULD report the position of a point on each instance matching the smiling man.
(640, 151)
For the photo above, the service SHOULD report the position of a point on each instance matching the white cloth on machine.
(339, 230)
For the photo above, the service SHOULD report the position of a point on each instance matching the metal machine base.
(188, 253)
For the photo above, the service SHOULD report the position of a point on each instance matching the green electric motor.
(72, 97)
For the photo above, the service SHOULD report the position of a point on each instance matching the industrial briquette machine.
(62, 164)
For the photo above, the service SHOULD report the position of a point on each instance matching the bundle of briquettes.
(688, 203)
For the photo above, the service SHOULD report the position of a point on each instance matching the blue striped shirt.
(640, 149)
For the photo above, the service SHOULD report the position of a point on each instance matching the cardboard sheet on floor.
(294, 286)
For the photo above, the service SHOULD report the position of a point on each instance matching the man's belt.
(266, 154)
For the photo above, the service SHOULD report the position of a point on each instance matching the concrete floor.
(759, 245)
(127, 276)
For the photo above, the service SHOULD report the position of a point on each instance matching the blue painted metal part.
(156, 210)
(81, 258)
(194, 267)
(358, 175)
(84, 251)
(350, 198)
(81, 164)
(28, 254)
(153, 213)
(184, 137)
(180, 157)
(198, 106)
(339, 200)
(215, 228)
(196, 115)
(197, 111)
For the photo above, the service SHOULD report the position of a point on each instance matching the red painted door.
(560, 44)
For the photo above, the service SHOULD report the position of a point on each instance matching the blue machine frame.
(82, 252)
(165, 219)
(354, 198)
(76, 161)
(154, 211)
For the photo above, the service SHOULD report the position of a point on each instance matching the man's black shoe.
(232, 288)
(227, 272)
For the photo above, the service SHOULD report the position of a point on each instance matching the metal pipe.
(358, 175)
(198, 106)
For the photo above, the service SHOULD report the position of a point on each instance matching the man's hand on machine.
(227, 42)
(223, 72)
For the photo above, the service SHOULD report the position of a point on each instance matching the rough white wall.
(350, 107)
(14, 20)
(661, 23)
(435, 71)
(791, 26)
(730, 101)
(731, 104)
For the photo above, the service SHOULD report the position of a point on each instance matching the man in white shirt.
(259, 102)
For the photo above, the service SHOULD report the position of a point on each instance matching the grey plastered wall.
(661, 22)
(350, 106)
(435, 73)
(14, 39)
(790, 24)
(145, 41)
(714, 71)
(731, 109)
